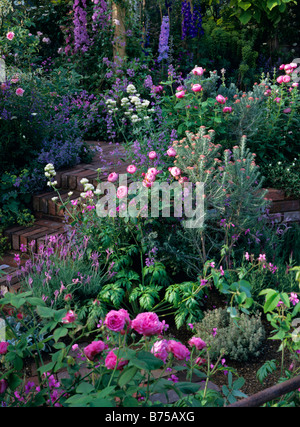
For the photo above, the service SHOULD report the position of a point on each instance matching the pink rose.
(160, 350)
(93, 349)
(180, 351)
(175, 171)
(227, 110)
(152, 171)
(20, 91)
(70, 317)
(171, 152)
(220, 99)
(197, 88)
(116, 320)
(3, 347)
(197, 342)
(198, 71)
(10, 35)
(122, 192)
(131, 169)
(280, 79)
(112, 177)
(157, 89)
(286, 79)
(180, 94)
(147, 324)
(111, 361)
(152, 155)
(277, 100)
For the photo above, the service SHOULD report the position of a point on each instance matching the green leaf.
(127, 376)
(271, 302)
(45, 312)
(85, 388)
(245, 16)
(59, 333)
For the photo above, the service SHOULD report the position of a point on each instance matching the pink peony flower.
(197, 88)
(111, 361)
(160, 350)
(93, 349)
(198, 71)
(147, 324)
(3, 347)
(180, 94)
(112, 177)
(10, 35)
(175, 171)
(122, 192)
(197, 342)
(117, 320)
(171, 152)
(131, 169)
(20, 91)
(70, 317)
(220, 99)
(152, 155)
(179, 350)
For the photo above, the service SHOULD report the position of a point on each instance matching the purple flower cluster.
(100, 15)
(163, 48)
(191, 20)
(81, 37)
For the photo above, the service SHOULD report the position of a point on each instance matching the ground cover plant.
(199, 94)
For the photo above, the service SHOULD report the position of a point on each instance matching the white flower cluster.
(50, 173)
(135, 105)
(111, 105)
(86, 186)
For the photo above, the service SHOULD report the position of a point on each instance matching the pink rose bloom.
(93, 349)
(175, 171)
(122, 192)
(152, 155)
(116, 320)
(227, 110)
(180, 94)
(70, 317)
(220, 99)
(286, 79)
(171, 152)
(198, 71)
(295, 84)
(179, 350)
(131, 169)
(10, 35)
(20, 91)
(3, 347)
(111, 361)
(147, 324)
(277, 100)
(197, 342)
(282, 67)
(152, 171)
(287, 110)
(112, 177)
(160, 350)
(157, 89)
(197, 88)
(280, 79)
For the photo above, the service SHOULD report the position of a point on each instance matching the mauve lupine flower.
(163, 47)
(10, 35)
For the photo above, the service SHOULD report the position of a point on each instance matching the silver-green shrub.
(241, 337)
